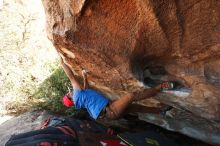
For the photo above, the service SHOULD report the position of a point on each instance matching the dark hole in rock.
(151, 82)
(157, 70)
(153, 76)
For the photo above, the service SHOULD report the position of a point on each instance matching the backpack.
(53, 132)
(59, 132)
(50, 136)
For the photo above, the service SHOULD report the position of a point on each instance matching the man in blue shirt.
(98, 105)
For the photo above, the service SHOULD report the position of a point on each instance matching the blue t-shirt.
(90, 99)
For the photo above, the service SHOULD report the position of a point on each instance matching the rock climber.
(98, 106)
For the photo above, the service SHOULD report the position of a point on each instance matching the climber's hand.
(84, 73)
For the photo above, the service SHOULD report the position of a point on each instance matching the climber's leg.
(147, 93)
(153, 91)
(115, 108)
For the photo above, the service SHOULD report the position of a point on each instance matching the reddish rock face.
(119, 41)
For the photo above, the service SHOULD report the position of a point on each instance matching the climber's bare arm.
(85, 80)
(67, 70)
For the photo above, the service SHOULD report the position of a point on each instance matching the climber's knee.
(111, 113)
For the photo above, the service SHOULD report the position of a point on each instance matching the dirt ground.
(24, 123)
(27, 57)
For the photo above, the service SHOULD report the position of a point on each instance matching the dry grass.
(28, 60)
(48, 96)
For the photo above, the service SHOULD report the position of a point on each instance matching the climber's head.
(67, 101)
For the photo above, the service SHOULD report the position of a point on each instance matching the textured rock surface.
(187, 124)
(117, 41)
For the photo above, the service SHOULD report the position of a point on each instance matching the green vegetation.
(47, 96)
(51, 91)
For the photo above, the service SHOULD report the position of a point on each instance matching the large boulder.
(121, 43)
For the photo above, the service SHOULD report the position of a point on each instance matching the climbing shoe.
(167, 85)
